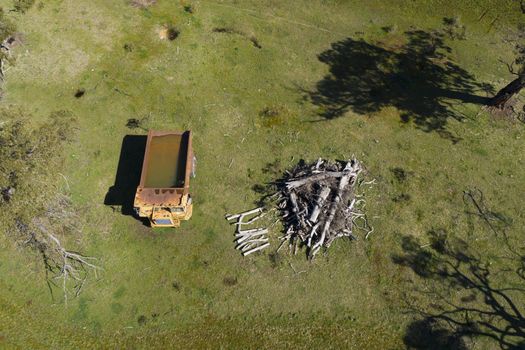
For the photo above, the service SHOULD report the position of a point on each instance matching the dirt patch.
(513, 110)
(275, 115)
(229, 281)
(168, 33)
(229, 30)
(163, 33)
(142, 4)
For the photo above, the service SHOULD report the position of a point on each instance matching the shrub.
(7, 28)
(23, 6)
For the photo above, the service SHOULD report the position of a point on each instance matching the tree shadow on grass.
(418, 78)
(469, 296)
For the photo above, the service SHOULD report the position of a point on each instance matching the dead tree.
(506, 93)
(515, 86)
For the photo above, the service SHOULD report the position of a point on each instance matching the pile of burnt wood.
(318, 203)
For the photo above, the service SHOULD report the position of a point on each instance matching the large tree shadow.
(418, 78)
(470, 295)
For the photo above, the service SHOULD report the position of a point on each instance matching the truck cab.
(163, 192)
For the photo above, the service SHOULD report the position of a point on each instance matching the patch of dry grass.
(142, 4)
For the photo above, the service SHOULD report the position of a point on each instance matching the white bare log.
(313, 232)
(325, 191)
(258, 240)
(247, 238)
(345, 180)
(255, 232)
(352, 203)
(369, 233)
(295, 208)
(249, 232)
(247, 247)
(249, 244)
(255, 249)
(235, 216)
(313, 178)
(251, 221)
(293, 201)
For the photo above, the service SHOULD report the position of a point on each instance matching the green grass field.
(189, 288)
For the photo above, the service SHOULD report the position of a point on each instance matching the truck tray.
(168, 161)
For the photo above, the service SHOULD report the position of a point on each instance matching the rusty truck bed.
(166, 169)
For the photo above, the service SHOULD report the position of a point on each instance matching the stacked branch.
(318, 204)
(249, 240)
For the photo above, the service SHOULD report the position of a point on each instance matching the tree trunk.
(514, 87)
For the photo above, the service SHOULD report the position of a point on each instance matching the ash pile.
(318, 203)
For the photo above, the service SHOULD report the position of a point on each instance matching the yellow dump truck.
(163, 192)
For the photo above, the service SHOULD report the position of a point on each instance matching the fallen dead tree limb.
(65, 269)
(64, 264)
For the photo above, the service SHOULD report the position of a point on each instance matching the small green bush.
(7, 28)
(23, 6)
(28, 157)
